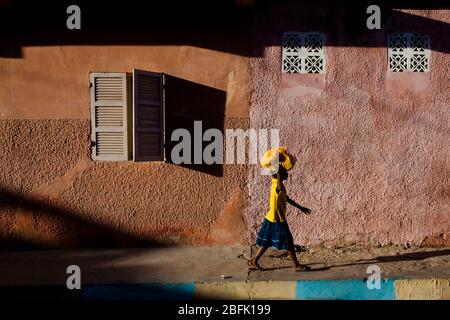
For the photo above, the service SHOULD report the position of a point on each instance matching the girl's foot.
(300, 268)
(253, 265)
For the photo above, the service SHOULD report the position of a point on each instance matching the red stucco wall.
(53, 195)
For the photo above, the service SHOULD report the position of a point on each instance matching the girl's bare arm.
(295, 204)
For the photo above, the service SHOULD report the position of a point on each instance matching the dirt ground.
(218, 263)
(352, 262)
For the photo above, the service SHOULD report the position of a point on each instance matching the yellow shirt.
(277, 211)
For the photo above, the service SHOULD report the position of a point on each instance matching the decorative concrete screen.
(303, 52)
(409, 52)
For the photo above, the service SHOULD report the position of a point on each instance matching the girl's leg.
(293, 257)
(297, 266)
(253, 262)
(260, 252)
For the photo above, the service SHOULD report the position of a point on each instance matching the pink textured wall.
(373, 147)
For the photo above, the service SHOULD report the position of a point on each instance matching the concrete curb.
(346, 289)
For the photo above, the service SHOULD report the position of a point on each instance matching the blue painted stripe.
(348, 289)
(147, 291)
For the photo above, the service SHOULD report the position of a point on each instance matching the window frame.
(137, 157)
(95, 129)
(129, 103)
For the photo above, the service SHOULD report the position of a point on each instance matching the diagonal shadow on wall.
(89, 233)
(218, 25)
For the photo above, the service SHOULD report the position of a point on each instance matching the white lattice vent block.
(409, 52)
(303, 52)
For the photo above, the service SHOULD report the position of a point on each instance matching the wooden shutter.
(148, 116)
(109, 116)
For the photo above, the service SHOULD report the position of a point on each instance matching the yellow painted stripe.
(246, 290)
(422, 289)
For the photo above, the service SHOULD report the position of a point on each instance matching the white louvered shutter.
(148, 116)
(109, 116)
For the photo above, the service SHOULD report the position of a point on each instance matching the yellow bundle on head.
(278, 154)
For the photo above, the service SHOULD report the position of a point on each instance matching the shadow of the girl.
(290, 267)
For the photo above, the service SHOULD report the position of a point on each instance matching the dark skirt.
(276, 235)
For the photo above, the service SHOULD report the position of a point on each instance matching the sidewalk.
(222, 272)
